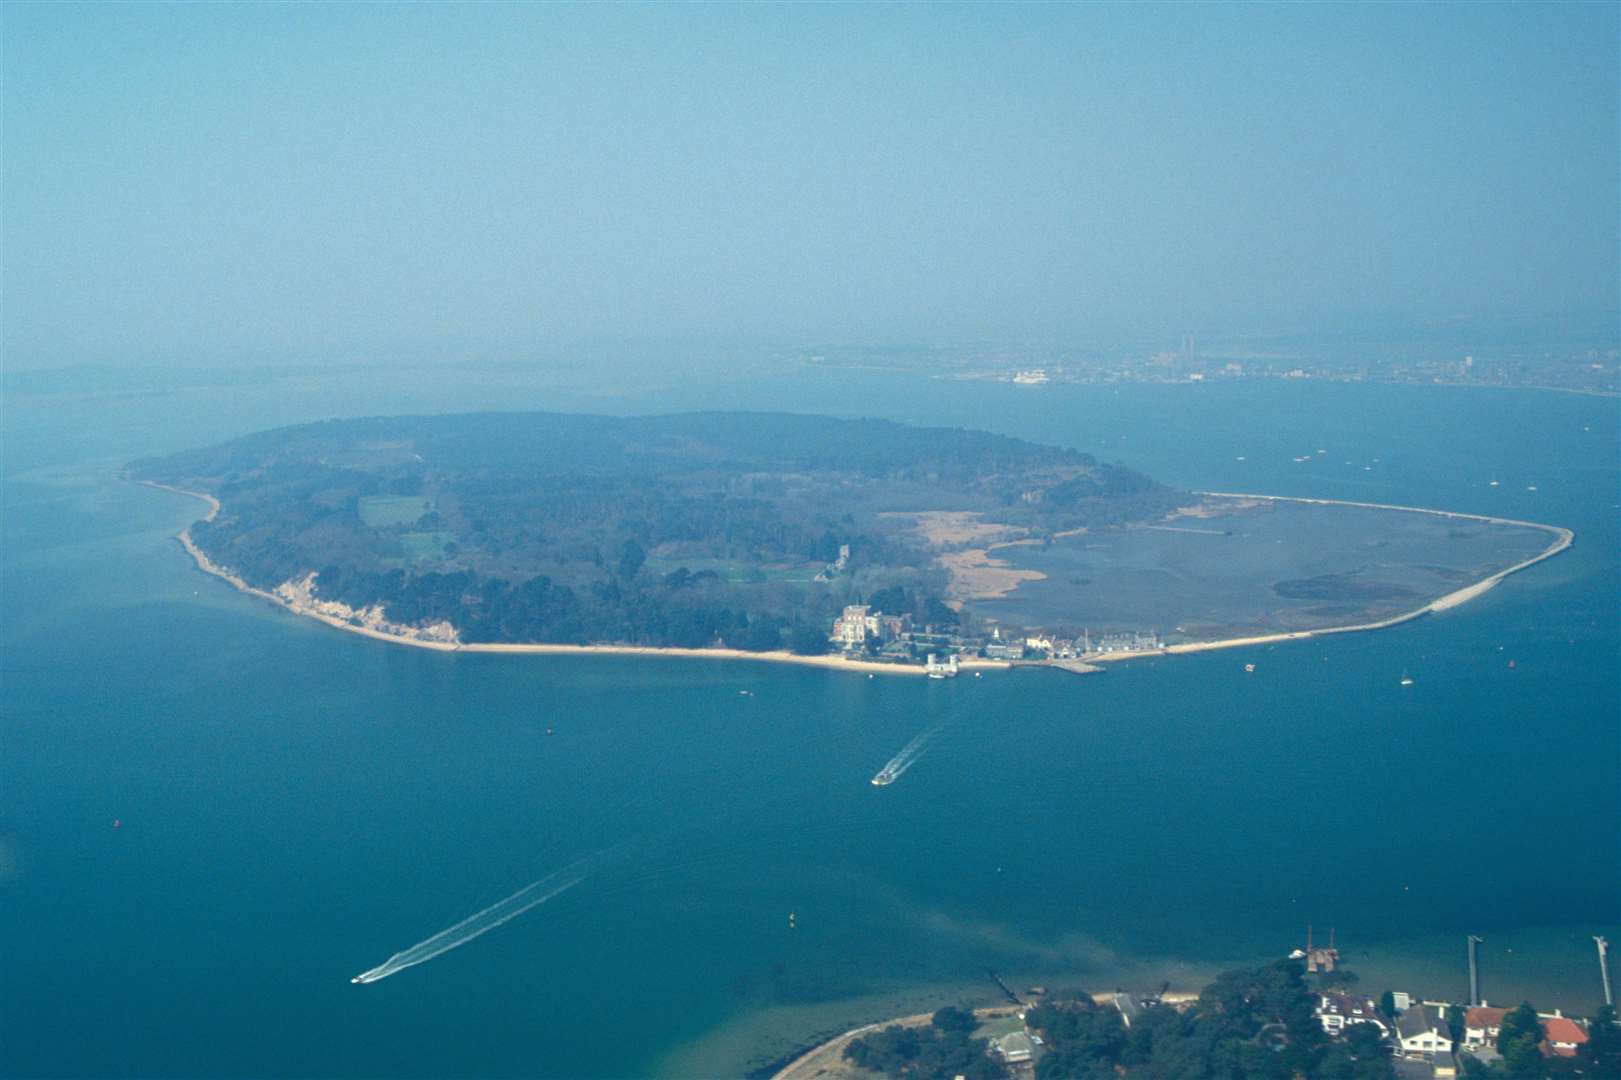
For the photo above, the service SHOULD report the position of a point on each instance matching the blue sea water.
(298, 804)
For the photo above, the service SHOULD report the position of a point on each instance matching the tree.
(1359, 1055)
(631, 558)
(951, 1018)
(807, 640)
(1455, 1023)
(1387, 1004)
(1518, 1041)
(1601, 1054)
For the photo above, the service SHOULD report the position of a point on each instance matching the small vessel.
(1407, 680)
(1250, 668)
(1494, 483)
(884, 777)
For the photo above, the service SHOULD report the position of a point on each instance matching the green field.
(424, 545)
(381, 511)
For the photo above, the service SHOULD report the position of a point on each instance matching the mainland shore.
(1562, 539)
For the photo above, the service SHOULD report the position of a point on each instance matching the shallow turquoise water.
(298, 804)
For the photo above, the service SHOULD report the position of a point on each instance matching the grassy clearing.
(424, 545)
(381, 511)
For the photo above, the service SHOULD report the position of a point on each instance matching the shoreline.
(1563, 539)
(836, 1045)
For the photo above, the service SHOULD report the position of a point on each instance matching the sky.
(217, 183)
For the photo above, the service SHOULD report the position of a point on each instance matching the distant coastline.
(1563, 538)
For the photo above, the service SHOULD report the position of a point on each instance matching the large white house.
(1422, 1033)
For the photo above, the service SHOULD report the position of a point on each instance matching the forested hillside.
(690, 529)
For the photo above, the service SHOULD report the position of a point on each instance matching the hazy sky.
(246, 183)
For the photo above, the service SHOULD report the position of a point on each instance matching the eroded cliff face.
(300, 595)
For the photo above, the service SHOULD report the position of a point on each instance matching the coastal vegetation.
(944, 1049)
(749, 530)
(1248, 1024)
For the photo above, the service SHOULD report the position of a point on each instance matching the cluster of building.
(1420, 1034)
(860, 627)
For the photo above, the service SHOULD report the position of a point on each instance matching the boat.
(1250, 668)
(1407, 680)
(884, 777)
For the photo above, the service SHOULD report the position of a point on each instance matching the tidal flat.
(1239, 567)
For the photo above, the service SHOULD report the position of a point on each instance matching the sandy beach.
(381, 631)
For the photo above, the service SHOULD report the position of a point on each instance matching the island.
(863, 543)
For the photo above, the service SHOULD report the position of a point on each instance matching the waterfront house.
(1481, 1025)
(1562, 1036)
(1336, 1012)
(1015, 1048)
(1421, 1033)
(850, 629)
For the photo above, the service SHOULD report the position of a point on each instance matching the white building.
(1421, 1033)
(1336, 1012)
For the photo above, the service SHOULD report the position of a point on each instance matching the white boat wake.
(471, 927)
(908, 756)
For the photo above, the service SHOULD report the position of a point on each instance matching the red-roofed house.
(1481, 1025)
(1561, 1036)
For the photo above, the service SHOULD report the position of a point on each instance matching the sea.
(213, 814)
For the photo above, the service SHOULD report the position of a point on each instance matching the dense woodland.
(692, 529)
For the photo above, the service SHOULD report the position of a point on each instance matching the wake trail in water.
(897, 765)
(481, 922)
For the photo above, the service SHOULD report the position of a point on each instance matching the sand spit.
(1562, 539)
